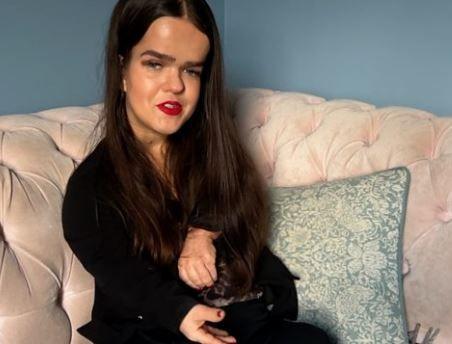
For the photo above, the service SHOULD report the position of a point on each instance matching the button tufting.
(445, 216)
(406, 267)
(370, 141)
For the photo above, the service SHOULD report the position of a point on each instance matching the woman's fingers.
(212, 270)
(196, 273)
(203, 274)
(197, 260)
(194, 326)
(220, 334)
(184, 277)
(205, 337)
(216, 331)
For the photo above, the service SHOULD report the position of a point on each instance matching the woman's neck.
(157, 154)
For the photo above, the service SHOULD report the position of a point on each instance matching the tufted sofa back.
(295, 139)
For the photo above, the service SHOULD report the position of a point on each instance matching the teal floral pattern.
(344, 240)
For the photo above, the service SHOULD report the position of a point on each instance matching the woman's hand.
(197, 260)
(194, 326)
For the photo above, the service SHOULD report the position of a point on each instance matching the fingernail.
(220, 314)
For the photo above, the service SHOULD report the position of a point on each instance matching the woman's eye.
(153, 65)
(193, 72)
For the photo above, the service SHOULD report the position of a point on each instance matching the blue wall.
(386, 52)
(51, 53)
(218, 8)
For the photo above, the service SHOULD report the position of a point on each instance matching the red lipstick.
(170, 107)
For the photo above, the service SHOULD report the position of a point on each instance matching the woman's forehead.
(176, 37)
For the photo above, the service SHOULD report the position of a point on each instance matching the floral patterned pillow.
(344, 240)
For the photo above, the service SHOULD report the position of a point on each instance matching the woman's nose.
(174, 82)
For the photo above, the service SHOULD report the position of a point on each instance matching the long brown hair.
(205, 157)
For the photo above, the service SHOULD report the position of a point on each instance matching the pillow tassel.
(428, 338)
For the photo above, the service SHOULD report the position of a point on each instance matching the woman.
(168, 213)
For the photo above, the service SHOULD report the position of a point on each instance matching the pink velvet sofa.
(45, 294)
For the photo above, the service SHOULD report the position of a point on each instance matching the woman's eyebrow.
(161, 56)
(194, 64)
(170, 58)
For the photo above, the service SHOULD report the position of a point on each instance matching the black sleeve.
(201, 218)
(278, 284)
(99, 242)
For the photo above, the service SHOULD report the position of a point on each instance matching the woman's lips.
(171, 108)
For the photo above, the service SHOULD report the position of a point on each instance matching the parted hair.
(205, 156)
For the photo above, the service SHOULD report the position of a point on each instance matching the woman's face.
(163, 78)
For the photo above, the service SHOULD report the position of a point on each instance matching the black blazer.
(131, 294)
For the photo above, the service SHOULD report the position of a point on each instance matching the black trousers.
(250, 323)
